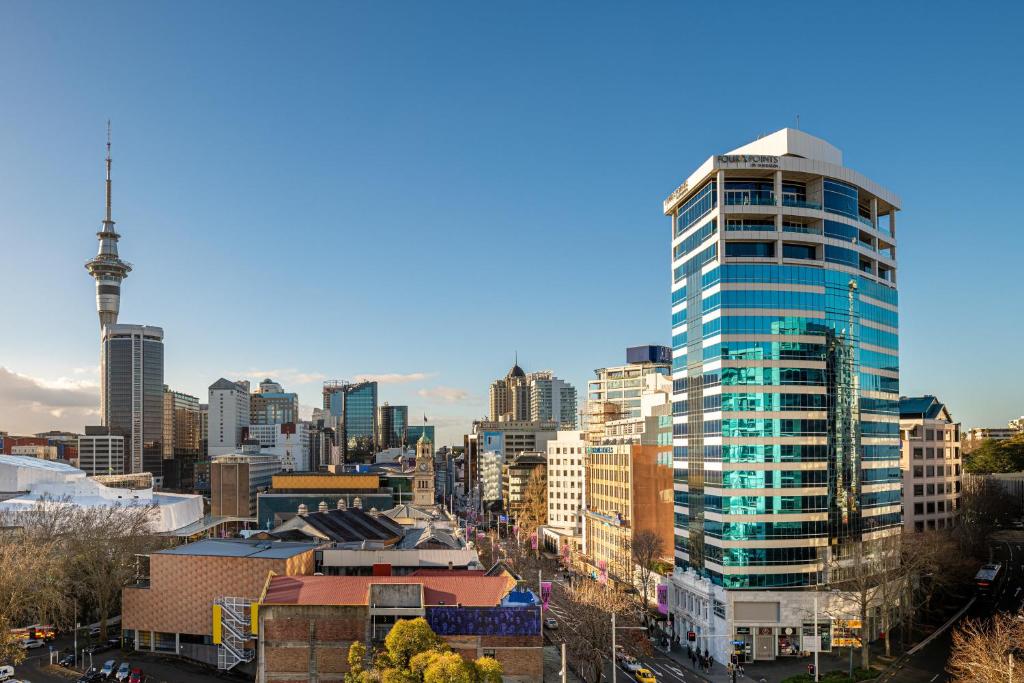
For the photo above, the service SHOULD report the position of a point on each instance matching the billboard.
(663, 598)
(484, 621)
(494, 441)
(649, 354)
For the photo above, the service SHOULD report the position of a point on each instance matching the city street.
(928, 664)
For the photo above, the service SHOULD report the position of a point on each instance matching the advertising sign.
(494, 441)
(533, 541)
(545, 593)
(663, 598)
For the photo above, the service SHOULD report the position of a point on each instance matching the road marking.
(654, 669)
(929, 680)
(942, 628)
(1015, 593)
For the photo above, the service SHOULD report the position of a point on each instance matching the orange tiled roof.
(474, 591)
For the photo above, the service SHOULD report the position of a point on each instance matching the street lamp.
(614, 627)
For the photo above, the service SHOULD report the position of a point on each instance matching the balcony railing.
(749, 198)
(799, 203)
(755, 227)
(805, 229)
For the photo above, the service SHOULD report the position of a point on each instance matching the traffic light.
(810, 669)
(691, 636)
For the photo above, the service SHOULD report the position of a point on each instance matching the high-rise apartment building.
(392, 422)
(566, 480)
(132, 372)
(181, 440)
(272, 405)
(510, 397)
(931, 464)
(356, 407)
(229, 412)
(552, 399)
(785, 390)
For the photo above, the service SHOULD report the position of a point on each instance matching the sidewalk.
(773, 671)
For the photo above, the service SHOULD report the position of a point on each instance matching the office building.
(566, 473)
(132, 377)
(629, 488)
(236, 479)
(622, 385)
(931, 464)
(107, 268)
(271, 405)
(975, 436)
(355, 405)
(181, 440)
(516, 478)
(785, 376)
(414, 432)
(101, 451)
(391, 424)
(228, 416)
(289, 441)
(204, 431)
(552, 400)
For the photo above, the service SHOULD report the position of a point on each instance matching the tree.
(448, 667)
(589, 607)
(409, 637)
(646, 551)
(488, 670)
(356, 663)
(533, 507)
(988, 651)
(991, 456)
(984, 506)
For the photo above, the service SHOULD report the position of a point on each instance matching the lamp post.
(817, 637)
(614, 627)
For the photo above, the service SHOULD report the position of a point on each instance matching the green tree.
(448, 667)
(409, 637)
(356, 663)
(994, 456)
(488, 670)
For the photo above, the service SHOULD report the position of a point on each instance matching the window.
(930, 471)
(840, 198)
(930, 453)
(918, 453)
(750, 249)
(918, 508)
(918, 526)
(801, 251)
(941, 506)
(929, 435)
(930, 508)
(930, 489)
(918, 489)
(918, 471)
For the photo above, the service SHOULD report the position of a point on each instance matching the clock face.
(423, 467)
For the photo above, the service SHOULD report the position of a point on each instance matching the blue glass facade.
(356, 405)
(785, 378)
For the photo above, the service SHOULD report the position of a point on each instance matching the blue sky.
(326, 190)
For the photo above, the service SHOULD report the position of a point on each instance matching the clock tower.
(423, 479)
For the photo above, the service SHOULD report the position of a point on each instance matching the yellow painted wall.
(325, 482)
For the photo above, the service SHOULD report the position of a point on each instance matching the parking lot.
(156, 668)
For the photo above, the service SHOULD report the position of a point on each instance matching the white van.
(6, 671)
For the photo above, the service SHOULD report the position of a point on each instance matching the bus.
(988, 579)
(37, 631)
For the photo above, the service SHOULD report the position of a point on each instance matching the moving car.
(630, 663)
(644, 676)
(31, 643)
(108, 668)
(123, 671)
(551, 623)
(136, 676)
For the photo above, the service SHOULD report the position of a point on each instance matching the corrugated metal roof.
(223, 547)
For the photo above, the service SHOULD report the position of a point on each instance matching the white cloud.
(284, 376)
(33, 404)
(395, 378)
(446, 394)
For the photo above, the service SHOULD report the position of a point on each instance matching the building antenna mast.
(798, 121)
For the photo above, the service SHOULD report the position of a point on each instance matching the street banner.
(533, 541)
(503, 519)
(545, 593)
(662, 598)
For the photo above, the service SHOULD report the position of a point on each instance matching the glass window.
(840, 198)
(801, 251)
(756, 249)
(918, 453)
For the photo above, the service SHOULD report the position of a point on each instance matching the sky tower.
(106, 267)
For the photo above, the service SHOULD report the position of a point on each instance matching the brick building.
(172, 609)
(306, 623)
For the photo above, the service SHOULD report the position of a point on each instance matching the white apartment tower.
(228, 415)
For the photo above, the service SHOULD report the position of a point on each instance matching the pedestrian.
(711, 661)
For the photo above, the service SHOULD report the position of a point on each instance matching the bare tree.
(588, 608)
(31, 587)
(646, 551)
(533, 508)
(988, 651)
(984, 506)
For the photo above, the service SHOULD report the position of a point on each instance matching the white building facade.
(228, 416)
(566, 481)
(289, 442)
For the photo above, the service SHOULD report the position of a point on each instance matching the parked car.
(136, 676)
(551, 623)
(67, 660)
(91, 676)
(644, 676)
(6, 671)
(123, 671)
(31, 643)
(108, 668)
(99, 647)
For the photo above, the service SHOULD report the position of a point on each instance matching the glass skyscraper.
(785, 377)
(133, 387)
(391, 424)
(356, 406)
